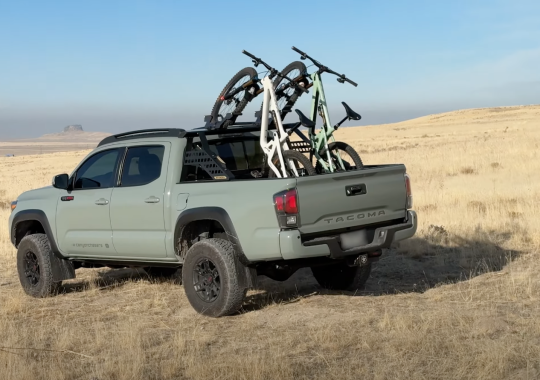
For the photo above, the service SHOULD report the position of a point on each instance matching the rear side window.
(242, 156)
(142, 165)
(239, 155)
(98, 171)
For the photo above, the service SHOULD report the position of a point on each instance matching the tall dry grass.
(458, 301)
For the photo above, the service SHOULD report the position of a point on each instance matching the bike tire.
(336, 146)
(294, 156)
(286, 104)
(240, 99)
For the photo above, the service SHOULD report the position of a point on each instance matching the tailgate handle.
(355, 190)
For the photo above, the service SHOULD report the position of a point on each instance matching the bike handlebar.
(257, 61)
(299, 52)
(322, 68)
(273, 71)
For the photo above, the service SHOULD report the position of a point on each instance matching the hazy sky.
(119, 65)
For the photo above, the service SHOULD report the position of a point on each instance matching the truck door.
(83, 225)
(137, 205)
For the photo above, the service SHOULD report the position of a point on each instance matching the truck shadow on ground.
(418, 265)
(104, 279)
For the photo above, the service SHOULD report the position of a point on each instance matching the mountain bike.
(245, 85)
(282, 161)
(318, 142)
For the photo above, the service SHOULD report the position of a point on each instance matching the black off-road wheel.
(237, 103)
(341, 276)
(350, 158)
(301, 163)
(211, 274)
(163, 273)
(34, 266)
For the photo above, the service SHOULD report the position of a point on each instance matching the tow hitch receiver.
(359, 261)
(364, 259)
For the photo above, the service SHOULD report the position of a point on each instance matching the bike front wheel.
(343, 157)
(287, 96)
(236, 104)
(294, 161)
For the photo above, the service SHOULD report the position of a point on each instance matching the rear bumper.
(330, 246)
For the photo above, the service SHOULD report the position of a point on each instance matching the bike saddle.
(350, 113)
(304, 120)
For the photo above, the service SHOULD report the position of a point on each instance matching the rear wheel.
(238, 102)
(341, 276)
(340, 150)
(211, 273)
(35, 267)
(294, 160)
(286, 98)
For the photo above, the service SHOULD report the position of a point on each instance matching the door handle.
(102, 202)
(152, 199)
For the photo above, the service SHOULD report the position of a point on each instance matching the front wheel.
(285, 94)
(343, 157)
(294, 161)
(238, 102)
(341, 276)
(35, 267)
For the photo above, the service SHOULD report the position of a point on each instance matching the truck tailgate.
(349, 199)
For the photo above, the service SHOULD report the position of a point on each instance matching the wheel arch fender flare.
(62, 269)
(217, 214)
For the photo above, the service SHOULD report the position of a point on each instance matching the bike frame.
(279, 141)
(320, 140)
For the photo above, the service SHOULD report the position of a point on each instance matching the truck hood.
(41, 193)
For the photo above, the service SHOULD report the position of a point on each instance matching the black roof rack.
(238, 127)
(143, 133)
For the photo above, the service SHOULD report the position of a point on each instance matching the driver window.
(98, 171)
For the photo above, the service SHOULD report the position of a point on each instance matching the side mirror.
(61, 181)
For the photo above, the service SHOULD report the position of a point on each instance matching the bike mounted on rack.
(319, 142)
(282, 156)
(281, 160)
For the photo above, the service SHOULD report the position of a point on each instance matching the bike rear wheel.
(349, 157)
(287, 98)
(301, 164)
(237, 103)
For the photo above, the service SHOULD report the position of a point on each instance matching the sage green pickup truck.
(194, 206)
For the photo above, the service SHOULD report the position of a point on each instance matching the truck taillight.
(409, 202)
(291, 206)
(286, 204)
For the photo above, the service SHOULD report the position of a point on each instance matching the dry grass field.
(458, 301)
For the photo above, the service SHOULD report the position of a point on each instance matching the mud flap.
(61, 269)
(247, 277)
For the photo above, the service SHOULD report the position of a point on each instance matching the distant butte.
(73, 128)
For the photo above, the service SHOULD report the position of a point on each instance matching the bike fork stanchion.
(278, 143)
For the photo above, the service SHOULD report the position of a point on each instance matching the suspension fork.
(279, 141)
(320, 140)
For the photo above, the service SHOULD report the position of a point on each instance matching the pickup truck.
(193, 205)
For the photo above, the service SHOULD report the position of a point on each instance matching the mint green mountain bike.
(330, 155)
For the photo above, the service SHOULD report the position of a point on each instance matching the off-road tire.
(164, 273)
(242, 104)
(337, 146)
(221, 254)
(341, 276)
(38, 246)
(295, 156)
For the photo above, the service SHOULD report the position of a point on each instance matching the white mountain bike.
(242, 88)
